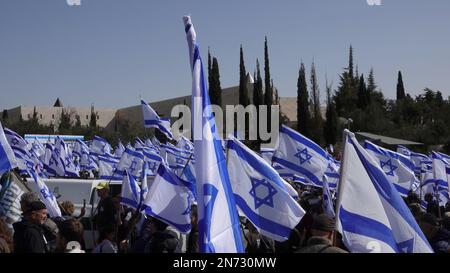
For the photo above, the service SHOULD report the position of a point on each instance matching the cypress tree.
(400, 87)
(268, 94)
(303, 115)
(215, 88)
(330, 126)
(243, 92)
(362, 94)
(315, 93)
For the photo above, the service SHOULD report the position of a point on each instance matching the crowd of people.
(123, 230)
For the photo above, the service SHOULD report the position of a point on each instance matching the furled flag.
(152, 120)
(131, 161)
(398, 168)
(440, 177)
(7, 158)
(106, 166)
(47, 196)
(261, 194)
(371, 215)
(327, 201)
(219, 226)
(301, 155)
(168, 199)
(131, 192)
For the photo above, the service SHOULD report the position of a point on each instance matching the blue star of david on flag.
(133, 166)
(406, 246)
(15, 141)
(152, 166)
(390, 167)
(303, 156)
(270, 191)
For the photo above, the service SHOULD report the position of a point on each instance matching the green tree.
(330, 126)
(65, 122)
(400, 87)
(268, 93)
(303, 114)
(243, 92)
(215, 90)
(363, 96)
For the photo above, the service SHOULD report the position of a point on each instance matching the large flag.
(267, 154)
(7, 158)
(301, 155)
(131, 161)
(371, 215)
(66, 158)
(398, 168)
(152, 120)
(19, 147)
(106, 166)
(47, 197)
(261, 194)
(440, 177)
(99, 146)
(219, 226)
(169, 200)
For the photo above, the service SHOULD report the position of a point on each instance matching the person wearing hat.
(322, 231)
(28, 233)
(105, 216)
(438, 237)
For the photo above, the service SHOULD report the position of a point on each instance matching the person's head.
(428, 197)
(102, 190)
(68, 208)
(107, 233)
(69, 230)
(26, 199)
(323, 226)
(429, 225)
(416, 211)
(157, 225)
(36, 213)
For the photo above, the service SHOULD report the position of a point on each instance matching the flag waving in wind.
(219, 226)
(371, 215)
(7, 158)
(152, 120)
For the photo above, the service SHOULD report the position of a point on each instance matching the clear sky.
(109, 52)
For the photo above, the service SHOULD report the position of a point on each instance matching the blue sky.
(109, 52)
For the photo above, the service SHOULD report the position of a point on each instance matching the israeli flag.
(152, 161)
(47, 196)
(261, 194)
(398, 168)
(7, 158)
(404, 151)
(99, 146)
(79, 147)
(168, 200)
(371, 215)
(119, 150)
(445, 157)
(37, 148)
(301, 156)
(185, 144)
(266, 154)
(440, 177)
(152, 120)
(419, 160)
(89, 162)
(65, 158)
(219, 226)
(131, 192)
(131, 161)
(106, 166)
(327, 201)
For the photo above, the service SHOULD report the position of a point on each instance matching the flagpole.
(340, 184)
(189, 159)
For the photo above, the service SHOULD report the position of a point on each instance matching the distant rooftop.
(387, 140)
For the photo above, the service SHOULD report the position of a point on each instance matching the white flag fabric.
(440, 177)
(168, 199)
(152, 120)
(99, 146)
(131, 192)
(261, 194)
(131, 161)
(106, 167)
(371, 215)
(327, 201)
(267, 154)
(47, 197)
(219, 225)
(398, 168)
(7, 158)
(301, 156)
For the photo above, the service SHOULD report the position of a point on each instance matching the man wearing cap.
(106, 211)
(322, 230)
(28, 233)
(438, 237)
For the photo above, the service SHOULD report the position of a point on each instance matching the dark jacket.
(320, 245)
(192, 242)
(441, 241)
(29, 238)
(106, 216)
(163, 242)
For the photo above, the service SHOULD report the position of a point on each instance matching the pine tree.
(371, 86)
(400, 87)
(93, 120)
(350, 64)
(210, 83)
(215, 88)
(243, 92)
(330, 126)
(345, 97)
(303, 115)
